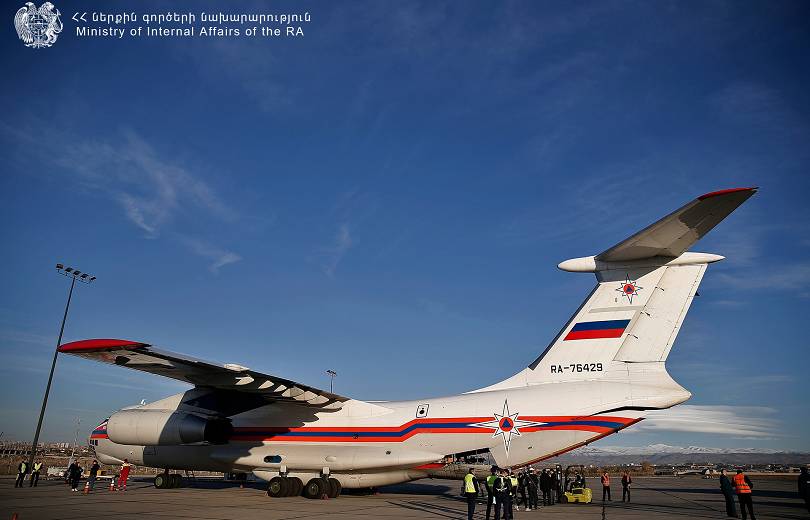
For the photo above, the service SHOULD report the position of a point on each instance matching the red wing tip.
(91, 345)
(724, 192)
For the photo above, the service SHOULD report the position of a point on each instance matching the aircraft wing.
(146, 358)
(675, 233)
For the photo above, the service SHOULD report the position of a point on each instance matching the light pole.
(332, 375)
(73, 274)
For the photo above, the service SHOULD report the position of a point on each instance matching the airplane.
(602, 372)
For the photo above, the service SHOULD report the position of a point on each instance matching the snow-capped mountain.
(666, 454)
(660, 449)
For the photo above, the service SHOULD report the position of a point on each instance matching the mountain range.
(666, 454)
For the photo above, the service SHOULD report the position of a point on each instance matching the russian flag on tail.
(597, 329)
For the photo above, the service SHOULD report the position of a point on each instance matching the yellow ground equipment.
(579, 495)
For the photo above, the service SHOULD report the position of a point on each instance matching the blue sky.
(389, 196)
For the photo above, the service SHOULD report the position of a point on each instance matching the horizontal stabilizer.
(674, 234)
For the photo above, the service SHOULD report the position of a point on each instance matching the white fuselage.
(370, 444)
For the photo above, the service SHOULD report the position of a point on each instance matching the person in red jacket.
(122, 479)
(606, 486)
(744, 487)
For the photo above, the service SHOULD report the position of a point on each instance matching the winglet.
(723, 192)
(96, 345)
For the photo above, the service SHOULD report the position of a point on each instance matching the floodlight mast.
(332, 375)
(74, 274)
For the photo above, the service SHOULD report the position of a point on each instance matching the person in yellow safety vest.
(35, 475)
(471, 492)
(744, 487)
(22, 469)
(606, 486)
(490, 491)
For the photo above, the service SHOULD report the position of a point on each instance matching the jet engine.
(166, 428)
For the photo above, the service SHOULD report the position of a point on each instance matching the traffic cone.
(112, 484)
(86, 487)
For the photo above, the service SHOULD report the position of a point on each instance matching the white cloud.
(332, 255)
(735, 421)
(219, 257)
(786, 277)
(149, 188)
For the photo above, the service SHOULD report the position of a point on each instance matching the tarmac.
(654, 497)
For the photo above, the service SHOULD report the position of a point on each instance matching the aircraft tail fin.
(646, 284)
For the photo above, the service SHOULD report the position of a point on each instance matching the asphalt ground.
(655, 497)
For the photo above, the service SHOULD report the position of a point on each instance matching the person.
(513, 482)
(523, 484)
(606, 486)
(804, 487)
(74, 474)
(35, 474)
(91, 480)
(502, 487)
(122, 479)
(551, 487)
(579, 481)
(626, 481)
(559, 481)
(471, 492)
(22, 469)
(728, 493)
(491, 492)
(545, 486)
(533, 484)
(744, 487)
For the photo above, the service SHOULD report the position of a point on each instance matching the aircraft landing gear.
(284, 487)
(323, 487)
(168, 480)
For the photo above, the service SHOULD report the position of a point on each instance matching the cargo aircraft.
(601, 373)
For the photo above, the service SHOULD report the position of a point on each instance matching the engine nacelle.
(166, 428)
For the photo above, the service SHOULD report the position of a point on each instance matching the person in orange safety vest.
(744, 487)
(605, 486)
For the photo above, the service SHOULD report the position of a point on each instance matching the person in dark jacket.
(804, 487)
(728, 493)
(91, 479)
(74, 474)
(626, 481)
(523, 485)
(502, 488)
(533, 483)
(545, 487)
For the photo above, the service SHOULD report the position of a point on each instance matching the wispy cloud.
(785, 277)
(218, 256)
(332, 255)
(150, 189)
(736, 421)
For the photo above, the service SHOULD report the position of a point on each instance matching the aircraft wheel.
(315, 488)
(161, 482)
(296, 486)
(334, 488)
(278, 487)
(176, 480)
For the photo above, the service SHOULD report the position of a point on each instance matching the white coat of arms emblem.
(38, 28)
